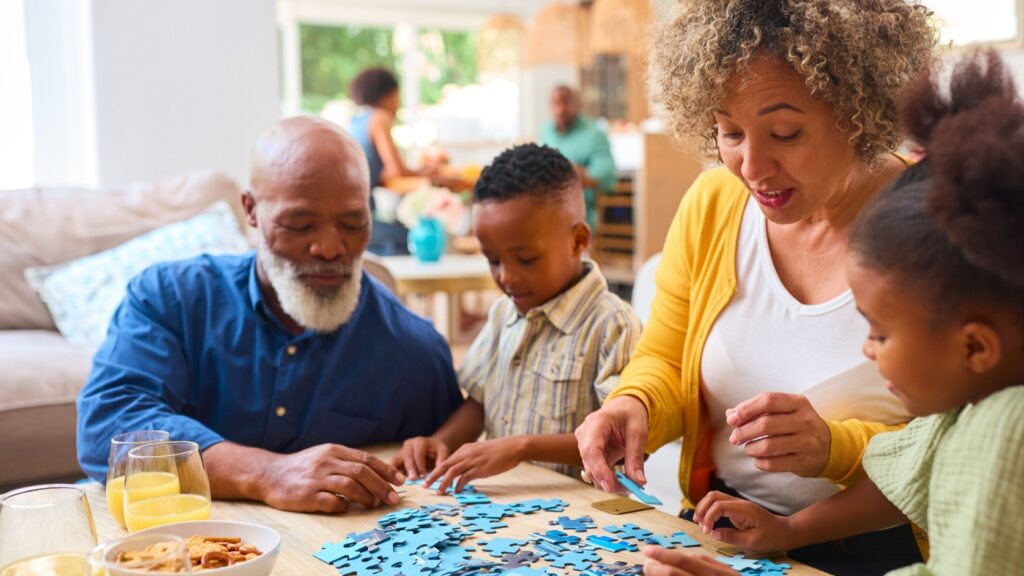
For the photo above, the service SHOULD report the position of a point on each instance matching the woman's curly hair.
(855, 54)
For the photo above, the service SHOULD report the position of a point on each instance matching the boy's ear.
(983, 348)
(249, 203)
(580, 238)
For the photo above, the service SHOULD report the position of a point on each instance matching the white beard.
(320, 310)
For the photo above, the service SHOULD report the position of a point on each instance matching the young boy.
(553, 346)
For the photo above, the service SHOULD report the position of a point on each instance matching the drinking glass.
(120, 445)
(148, 553)
(165, 482)
(45, 530)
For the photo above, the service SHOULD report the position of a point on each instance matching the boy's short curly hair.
(527, 170)
(855, 54)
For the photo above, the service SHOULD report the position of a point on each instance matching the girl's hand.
(664, 562)
(757, 529)
(476, 460)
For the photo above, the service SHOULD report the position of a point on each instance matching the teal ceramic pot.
(427, 240)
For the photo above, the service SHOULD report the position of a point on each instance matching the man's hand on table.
(324, 478)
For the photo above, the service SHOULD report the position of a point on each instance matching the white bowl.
(266, 540)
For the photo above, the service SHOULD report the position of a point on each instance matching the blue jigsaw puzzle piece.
(630, 532)
(494, 511)
(534, 504)
(498, 547)
(488, 525)
(739, 563)
(466, 498)
(581, 524)
(681, 538)
(578, 560)
(637, 490)
(558, 537)
(611, 544)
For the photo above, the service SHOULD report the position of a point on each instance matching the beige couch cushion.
(44, 227)
(42, 375)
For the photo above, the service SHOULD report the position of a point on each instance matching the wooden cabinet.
(633, 221)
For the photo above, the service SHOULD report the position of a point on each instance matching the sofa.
(41, 373)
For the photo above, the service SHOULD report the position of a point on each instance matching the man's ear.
(580, 238)
(249, 203)
(982, 346)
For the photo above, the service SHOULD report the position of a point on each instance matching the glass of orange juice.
(165, 482)
(45, 530)
(118, 460)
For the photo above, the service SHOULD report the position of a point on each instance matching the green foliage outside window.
(332, 56)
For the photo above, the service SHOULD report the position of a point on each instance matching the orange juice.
(161, 510)
(115, 499)
(146, 485)
(49, 565)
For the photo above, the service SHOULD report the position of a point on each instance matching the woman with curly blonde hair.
(753, 351)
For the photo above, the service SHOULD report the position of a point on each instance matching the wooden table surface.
(304, 534)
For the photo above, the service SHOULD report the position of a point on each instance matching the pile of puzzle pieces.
(423, 542)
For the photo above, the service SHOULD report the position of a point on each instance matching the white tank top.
(765, 340)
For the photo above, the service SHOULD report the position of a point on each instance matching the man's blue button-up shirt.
(194, 349)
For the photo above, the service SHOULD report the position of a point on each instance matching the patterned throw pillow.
(83, 294)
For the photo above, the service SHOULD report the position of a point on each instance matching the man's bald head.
(303, 149)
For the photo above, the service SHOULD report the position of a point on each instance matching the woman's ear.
(982, 346)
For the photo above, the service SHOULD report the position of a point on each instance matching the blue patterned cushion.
(83, 294)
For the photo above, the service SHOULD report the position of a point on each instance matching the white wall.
(153, 88)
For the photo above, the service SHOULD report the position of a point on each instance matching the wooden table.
(304, 534)
(453, 274)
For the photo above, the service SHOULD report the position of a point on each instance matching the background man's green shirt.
(584, 144)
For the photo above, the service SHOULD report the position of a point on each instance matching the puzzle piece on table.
(369, 537)
(637, 490)
(619, 568)
(534, 504)
(578, 560)
(441, 508)
(681, 538)
(611, 544)
(365, 564)
(340, 551)
(467, 498)
(451, 489)
(519, 559)
(494, 511)
(523, 571)
(581, 524)
(629, 532)
(557, 536)
(772, 566)
(549, 550)
(488, 525)
(498, 547)
(739, 563)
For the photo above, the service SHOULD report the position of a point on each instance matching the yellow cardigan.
(695, 280)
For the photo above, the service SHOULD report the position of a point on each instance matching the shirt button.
(280, 411)
(291, 350)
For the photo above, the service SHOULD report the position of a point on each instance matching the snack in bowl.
(265, 540)
(204, 553)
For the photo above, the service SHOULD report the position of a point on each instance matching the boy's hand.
(757, 529)
(663, 562)
(476, 460)
(419, 455)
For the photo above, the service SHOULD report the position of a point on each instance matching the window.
(450, 99)
(16, 141)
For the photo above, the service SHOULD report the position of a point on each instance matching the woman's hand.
(420, 454)
(782, 433)
(664, 562)
(617, 430)
(756, 529)
(476, 460)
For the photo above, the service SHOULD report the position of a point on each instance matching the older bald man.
(276, 362)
